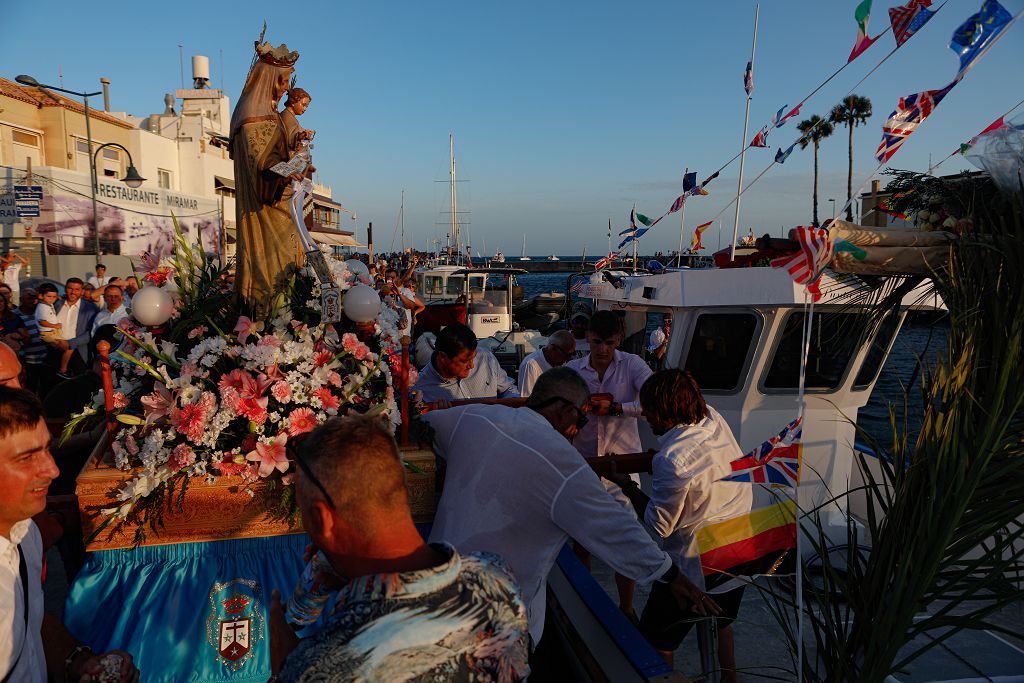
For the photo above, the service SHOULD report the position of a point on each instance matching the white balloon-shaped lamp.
(361, 304)
(152, 306)
(357, 267)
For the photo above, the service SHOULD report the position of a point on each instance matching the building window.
(720, 348)
(163, 178)
(26, 146)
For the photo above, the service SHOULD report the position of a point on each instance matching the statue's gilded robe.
(267, 241)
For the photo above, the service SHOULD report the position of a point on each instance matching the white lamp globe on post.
(152, 306)
(357, 267)
(361, 305)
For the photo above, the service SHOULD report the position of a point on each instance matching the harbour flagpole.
(749, 87)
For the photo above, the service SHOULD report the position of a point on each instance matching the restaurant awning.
(337, 239)
(219, 182)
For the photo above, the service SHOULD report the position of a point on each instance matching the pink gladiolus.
(271, 456)
(301, 420)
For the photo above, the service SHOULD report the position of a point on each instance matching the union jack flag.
(910, 112)
(807, 265)
(908, 19)
(776, 461)
(577, 287)
(606, 261)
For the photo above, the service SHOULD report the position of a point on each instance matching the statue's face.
(281, 85)
(300, 107)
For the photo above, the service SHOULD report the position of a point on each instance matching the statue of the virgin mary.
(267, 243)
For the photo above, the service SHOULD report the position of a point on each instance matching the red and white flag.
(807, 265)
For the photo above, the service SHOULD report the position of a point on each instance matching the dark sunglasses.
(294, 448)
(581, 417)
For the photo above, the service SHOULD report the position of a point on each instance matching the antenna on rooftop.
(181, 64)
(222, 68)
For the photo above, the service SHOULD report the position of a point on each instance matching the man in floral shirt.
(408, 611)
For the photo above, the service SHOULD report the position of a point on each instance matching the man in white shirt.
(515, 486)
(697, 447)
(33, 645)
(616, 377)
(114, 311)
(559, 350)
(458, 370)
(100, 278)
(11, 266)
(75, 315)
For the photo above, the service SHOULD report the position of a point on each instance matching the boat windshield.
(454, 285)
(433, 285)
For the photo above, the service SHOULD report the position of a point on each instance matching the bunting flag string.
(965, 147)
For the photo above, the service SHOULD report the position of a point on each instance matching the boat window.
(719, 349)
(833, 342)
(476, 283)
(876, 352)
(433, 285)
(454, 285)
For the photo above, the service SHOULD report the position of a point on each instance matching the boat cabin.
(448, 283)
(739, 332)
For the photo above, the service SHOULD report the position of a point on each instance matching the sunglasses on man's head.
(581, 417)
(294, 448)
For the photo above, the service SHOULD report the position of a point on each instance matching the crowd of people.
(472, 597)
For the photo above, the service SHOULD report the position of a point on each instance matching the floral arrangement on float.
(203, 391)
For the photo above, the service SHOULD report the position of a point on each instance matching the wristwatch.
(671, 575)
(615, 410)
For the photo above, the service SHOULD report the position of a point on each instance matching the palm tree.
(851, 112)
(815, 129)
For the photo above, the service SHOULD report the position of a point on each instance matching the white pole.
(743, 142)
(682, 223)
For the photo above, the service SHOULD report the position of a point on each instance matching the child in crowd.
(49, 328)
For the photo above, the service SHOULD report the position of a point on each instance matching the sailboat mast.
(743, 142)
(455, 201)
(682, 223)
(401, 215)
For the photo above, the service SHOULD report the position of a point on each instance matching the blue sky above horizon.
(564, 114)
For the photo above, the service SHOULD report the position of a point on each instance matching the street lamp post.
(132, 177)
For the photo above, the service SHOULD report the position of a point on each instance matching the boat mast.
(401, 215)
(455, 200)
(743, 142)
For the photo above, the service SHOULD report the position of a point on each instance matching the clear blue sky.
(565, 113)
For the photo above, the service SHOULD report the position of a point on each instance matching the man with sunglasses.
(515, 486)
(559, 350)
(404, 606)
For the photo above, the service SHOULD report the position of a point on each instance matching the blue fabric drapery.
(188, 611)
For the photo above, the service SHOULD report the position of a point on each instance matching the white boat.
(553, 258)
(523, 256)
(498, 257)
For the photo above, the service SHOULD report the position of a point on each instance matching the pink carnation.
(229, 398)
(120, 400)
(334, 379)
(349, 342)
(192, 420)
(197, 332)
(129, 442)
(281, 392)
(181, 457)
(361, 351)
(271, 341)
(301, 420)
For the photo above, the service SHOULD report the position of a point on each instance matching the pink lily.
(159, 404)
(271, 456)
(245, 327)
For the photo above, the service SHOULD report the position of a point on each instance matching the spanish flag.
(750, 544)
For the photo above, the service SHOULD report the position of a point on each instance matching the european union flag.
(689, 181)
(974, 36)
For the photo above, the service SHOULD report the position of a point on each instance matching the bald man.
(560, 349)
(10, 367)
